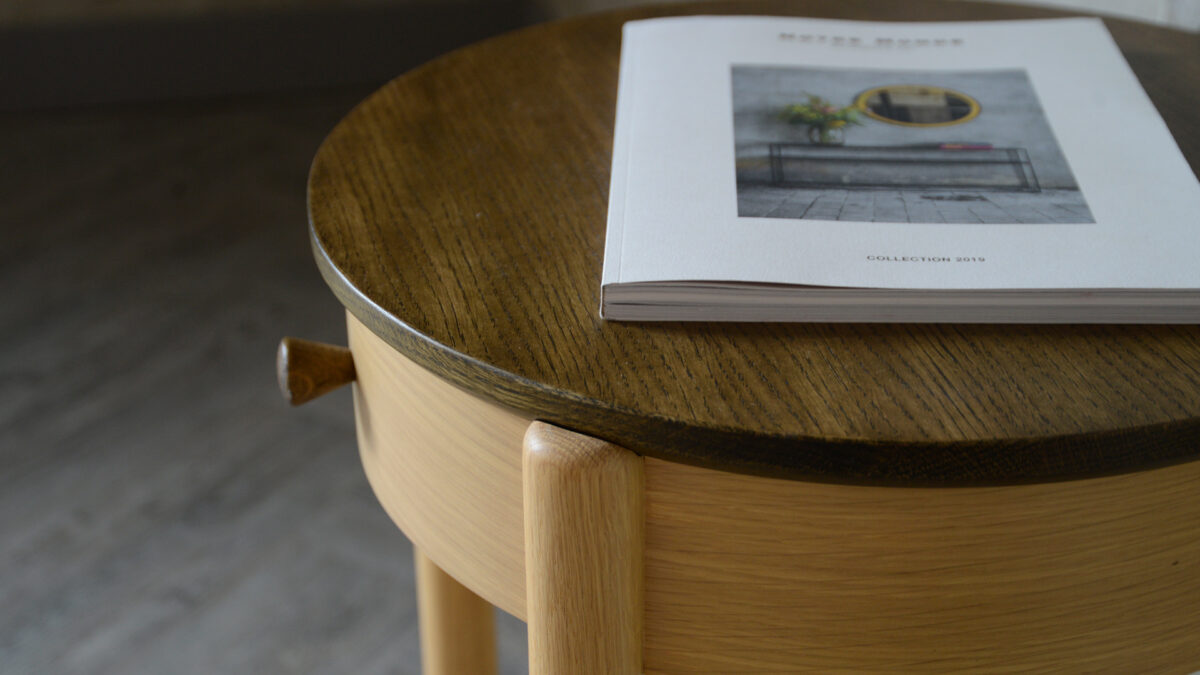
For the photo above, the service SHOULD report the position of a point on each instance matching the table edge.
(852, 461)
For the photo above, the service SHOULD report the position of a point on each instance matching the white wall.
(1183, 14)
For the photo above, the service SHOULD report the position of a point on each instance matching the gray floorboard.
(161, 509)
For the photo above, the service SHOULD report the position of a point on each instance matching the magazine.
(779, 169)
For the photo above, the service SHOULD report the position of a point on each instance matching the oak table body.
(746, 497)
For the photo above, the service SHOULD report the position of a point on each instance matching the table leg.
(457, 627)
(584, 526)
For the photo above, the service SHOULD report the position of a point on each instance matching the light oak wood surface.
(458, 633)
(746, 574)
(749, 574)
(446, 466)
(459, 213)
(583, 554)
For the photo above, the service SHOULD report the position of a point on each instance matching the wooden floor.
(161, 509)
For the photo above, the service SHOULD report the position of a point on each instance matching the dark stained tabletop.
(459, 212)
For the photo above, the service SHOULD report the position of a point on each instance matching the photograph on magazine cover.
(867, 145)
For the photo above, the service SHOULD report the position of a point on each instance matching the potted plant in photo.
(826, 122)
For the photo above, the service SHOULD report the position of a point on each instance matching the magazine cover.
(997, 155)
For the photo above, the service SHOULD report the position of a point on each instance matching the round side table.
(668, 497)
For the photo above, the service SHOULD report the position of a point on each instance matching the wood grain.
(583, 554)
(458, 633)
(459, 213)
(307, 369)
(446, 466)
(755, 575)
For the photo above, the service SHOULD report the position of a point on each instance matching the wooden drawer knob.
(309, 369)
